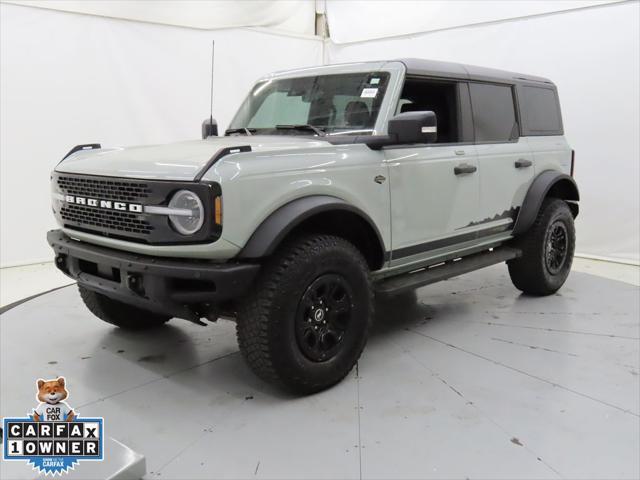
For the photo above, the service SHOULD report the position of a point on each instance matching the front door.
(435, 188)
(435, 192)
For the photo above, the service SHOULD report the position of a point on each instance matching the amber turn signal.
(218, 210)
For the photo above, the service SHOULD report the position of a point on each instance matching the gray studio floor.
(467, 380)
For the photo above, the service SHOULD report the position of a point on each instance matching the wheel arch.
(321, 214)
(550, 183)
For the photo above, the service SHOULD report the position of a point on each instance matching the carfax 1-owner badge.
(53, 438)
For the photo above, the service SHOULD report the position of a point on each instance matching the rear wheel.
(307, 320)
(547, 250)
(120, 314)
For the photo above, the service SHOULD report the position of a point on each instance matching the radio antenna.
(213, 44)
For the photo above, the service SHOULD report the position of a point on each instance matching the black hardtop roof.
(435, 68)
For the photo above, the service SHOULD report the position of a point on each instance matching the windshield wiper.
(246, 131)
(302, 126)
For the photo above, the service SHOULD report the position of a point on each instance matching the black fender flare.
(266, 238)
(538, 191)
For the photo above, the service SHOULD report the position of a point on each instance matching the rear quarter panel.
(550, 153)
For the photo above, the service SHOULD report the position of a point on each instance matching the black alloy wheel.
(323, 317)
(556, 247)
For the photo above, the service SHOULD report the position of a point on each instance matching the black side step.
(445, 270)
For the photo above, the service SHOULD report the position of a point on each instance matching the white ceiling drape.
(361, 20)
(286, 16)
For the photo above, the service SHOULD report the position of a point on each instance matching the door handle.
(379, 178)
(522, 163)
(464, 168)
(459, 152)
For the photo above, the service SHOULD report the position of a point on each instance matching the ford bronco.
(331, 185)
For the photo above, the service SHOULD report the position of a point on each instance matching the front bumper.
(189, 289)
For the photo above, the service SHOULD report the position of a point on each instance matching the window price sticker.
(369, 93)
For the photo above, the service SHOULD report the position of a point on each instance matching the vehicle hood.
(175, 161)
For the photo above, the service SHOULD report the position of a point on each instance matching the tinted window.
(419, 95)
(494, 115)
(540, 111)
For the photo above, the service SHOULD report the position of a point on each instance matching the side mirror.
(209, 128)
(407, 128)
(414, 127)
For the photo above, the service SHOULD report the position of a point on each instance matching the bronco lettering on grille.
(108, 204)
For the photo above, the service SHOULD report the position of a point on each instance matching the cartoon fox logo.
(52, 407)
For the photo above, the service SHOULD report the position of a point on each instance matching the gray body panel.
(175, 161)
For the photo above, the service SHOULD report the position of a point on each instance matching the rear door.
(504, 157)
(542, 125)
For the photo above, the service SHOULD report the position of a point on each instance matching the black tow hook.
(61, 262)
(134, 282)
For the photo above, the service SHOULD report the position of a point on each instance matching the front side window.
(494, 115)
(334, 104)
(440, 97)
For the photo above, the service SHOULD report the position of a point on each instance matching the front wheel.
(306, 322)
(547, 250)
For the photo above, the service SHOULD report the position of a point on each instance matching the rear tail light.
(573, 161)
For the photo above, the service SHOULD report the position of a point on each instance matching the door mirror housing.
(414, 127)
(408, 128)
(209, 128)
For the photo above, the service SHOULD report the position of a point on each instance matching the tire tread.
(254, 311)
(528, 272)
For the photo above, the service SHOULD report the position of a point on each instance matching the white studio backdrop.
(593, 56)
(67, 79)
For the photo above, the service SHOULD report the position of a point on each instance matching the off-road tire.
(120, 314)
(266, 324)
(531, 272)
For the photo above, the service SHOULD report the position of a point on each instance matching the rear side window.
(540, 111)
(494, 115)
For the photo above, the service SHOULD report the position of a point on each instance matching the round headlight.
(189, 212)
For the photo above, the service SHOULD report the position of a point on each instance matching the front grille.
(118, 190)
(124, 222)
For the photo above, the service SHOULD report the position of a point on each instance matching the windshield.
(333, 104)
